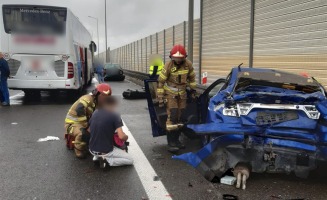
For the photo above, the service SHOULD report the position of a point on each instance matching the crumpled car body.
(272, 120)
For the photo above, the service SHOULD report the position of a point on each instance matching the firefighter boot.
(172, 146)
(177, 135)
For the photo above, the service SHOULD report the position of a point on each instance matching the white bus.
(47, 48)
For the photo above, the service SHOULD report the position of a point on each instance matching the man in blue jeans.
(4, 74)
(100, 73)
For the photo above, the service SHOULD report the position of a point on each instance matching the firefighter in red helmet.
(175, 77)
(77, 118)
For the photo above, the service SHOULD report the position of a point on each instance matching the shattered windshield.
(252, 81)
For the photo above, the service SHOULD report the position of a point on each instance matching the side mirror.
(93, 47)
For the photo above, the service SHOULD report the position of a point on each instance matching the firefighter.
(175, 77)
(156, 65)
(77, 119)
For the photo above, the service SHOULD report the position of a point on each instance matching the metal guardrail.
(138, 75)
(142, 76)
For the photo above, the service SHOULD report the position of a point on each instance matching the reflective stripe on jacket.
(174, 80)
(81, 111)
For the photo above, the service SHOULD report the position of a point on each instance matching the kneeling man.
(104, 124)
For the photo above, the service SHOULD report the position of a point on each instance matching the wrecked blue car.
(271, 120)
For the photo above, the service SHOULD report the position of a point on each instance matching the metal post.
(134, 57)
(200, 40)
(184, 33)
(251, 33)
(150, 44)
(146, 55)
(157, 43)
(105, 22)
(190, 29)
(173, 35)
(164, 45)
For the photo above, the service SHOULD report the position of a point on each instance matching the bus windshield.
(26, 19)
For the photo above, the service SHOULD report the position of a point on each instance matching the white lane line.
(17, 95)
(154, 189)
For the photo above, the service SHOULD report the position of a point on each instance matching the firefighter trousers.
(175, 107)
(80, 147)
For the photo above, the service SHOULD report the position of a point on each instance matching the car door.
(195, 111)
(204, 98)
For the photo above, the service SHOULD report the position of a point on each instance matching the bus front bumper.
(17, 84)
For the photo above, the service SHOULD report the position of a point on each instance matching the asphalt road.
(47, 170)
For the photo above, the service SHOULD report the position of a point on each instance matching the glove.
(193, 95)
(161, 102)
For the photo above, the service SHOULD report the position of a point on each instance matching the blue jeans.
(4, 90)
(100, 78)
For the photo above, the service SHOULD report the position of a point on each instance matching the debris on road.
(228, 180)
(156, 178)
(158, 157)
(48, 138)
(190, 184)
(229, 197)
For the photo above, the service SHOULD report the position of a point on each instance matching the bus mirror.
(93, 47)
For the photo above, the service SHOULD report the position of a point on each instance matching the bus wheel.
(32, 94)
(81, 91)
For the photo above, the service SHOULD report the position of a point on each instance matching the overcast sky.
(128, 20)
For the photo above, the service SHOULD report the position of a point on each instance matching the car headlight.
(312, 112)
(230, 112)
(244, 108)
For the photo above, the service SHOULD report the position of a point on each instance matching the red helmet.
(178, 51)
(103, 88)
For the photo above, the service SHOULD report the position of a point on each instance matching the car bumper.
(263, 155)
(41, 84)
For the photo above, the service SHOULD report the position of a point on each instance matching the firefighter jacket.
(174, 80)
(81, 111)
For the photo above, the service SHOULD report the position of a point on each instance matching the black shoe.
(180, 145)
(96, 163)
(172, 145)
(103, 163)
(178, 142)
(5, 104)
(173, 149)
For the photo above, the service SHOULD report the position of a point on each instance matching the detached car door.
(194, 113)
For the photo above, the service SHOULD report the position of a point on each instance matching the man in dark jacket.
(4, 74)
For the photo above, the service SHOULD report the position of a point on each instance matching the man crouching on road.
(78, 116)
(104, 125)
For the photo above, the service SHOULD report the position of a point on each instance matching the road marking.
(153, 188)
(17, 95)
